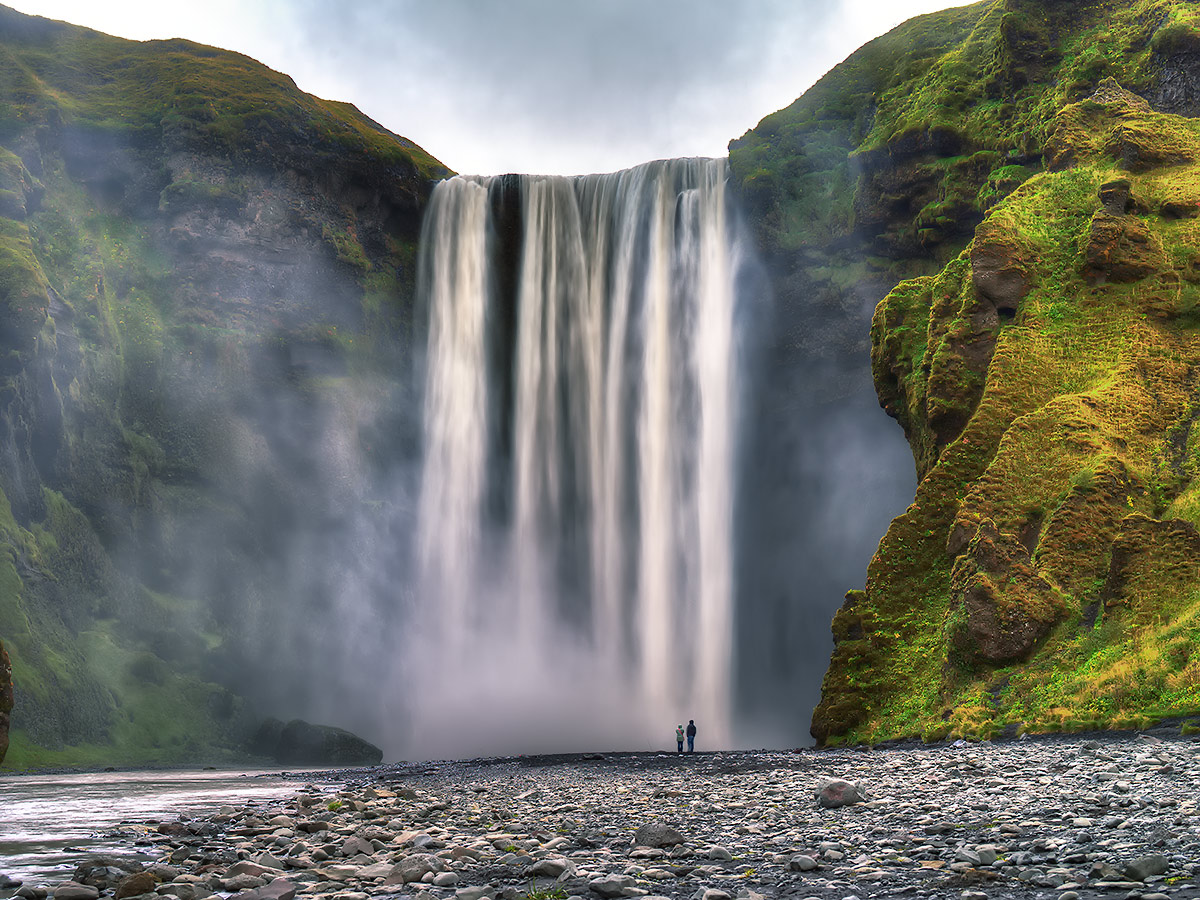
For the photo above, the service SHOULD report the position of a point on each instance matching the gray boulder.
(415, 867)
(658, 835)
(1147, 866)
(611, 885)
(279, 889)
(73, 890)
(834, 793)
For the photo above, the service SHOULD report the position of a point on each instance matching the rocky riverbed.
(1046, 818)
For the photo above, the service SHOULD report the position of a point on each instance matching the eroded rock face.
(1147, 553)
(1121, 250)
(1001, 607)
(6, 699)
(1000, 272)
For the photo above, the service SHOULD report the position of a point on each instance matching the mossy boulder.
(1121, 249)
(1001, 608)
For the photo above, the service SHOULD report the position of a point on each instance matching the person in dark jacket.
(691, 735)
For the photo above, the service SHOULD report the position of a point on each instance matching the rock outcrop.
(6, 699)
(1000, 606)
(300, 743)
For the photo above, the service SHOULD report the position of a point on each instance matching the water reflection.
(50, 823)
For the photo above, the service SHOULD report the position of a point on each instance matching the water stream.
(51, 823)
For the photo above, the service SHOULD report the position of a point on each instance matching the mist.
(392, 591)
(568, 586)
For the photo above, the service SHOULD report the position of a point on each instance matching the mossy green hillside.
(176, 223)
(884, 168)
(139, 90)
(1047, 575)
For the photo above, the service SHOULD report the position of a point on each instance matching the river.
(50, 823)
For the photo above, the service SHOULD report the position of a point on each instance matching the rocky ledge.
(1115, 817)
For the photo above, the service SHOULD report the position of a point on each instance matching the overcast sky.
(551, 86)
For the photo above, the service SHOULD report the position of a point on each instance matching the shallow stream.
(51, 823)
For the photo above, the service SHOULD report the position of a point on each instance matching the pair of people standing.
(689, 733)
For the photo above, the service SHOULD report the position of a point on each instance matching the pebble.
(1021, 819)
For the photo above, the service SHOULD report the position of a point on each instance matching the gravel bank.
(1046, 818)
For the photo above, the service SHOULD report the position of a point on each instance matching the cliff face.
(6, 699)
(199, 263)
(206, 282)
(1033, 161)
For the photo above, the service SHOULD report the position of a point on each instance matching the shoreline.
(1165, 729)
(1054, 816)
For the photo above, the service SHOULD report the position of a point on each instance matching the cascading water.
(575, 523)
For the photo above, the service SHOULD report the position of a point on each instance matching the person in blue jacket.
(691, 735)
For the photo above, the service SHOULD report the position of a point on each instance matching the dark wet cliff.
(199, 263)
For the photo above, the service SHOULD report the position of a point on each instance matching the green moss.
(23, 298)
(177, 87)
(1082, 446)
(227, 197)
(900, 150)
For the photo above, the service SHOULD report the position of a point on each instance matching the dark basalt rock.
(1121, 250)
(6, 699)
(1001, 607)
(300, 743)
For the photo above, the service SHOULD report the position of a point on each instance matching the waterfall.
(576, 502)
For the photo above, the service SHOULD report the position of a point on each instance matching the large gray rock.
(279, 889)
(657, 834)
(414, 868)
(300, 743)
(73, 890)
(1146, 866)
(354, 845)
(243, 882)
(834, 793)
(611, 885)
(550, 868)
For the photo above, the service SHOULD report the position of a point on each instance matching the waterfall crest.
(575, 544)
